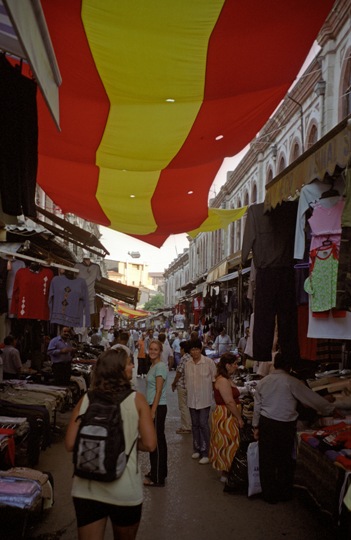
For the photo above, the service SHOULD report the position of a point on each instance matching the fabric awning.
(71, 233)
(333, 150)
(155, 95)
(233, 275)
(217, 272)
(117, 290)
(131, 313)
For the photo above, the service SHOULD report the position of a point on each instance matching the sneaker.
(204, 461)
(223, 479)
(195, 455)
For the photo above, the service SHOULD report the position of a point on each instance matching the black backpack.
(99, 450)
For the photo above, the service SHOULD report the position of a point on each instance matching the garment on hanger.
(91, 273)
(325, 224)
(321, 283)
(343, 289)
(107, 317)
(30, 293)
(3, 279)
(18, 141)
(311, 193)
(271, 238)
(69, 301)
(13, 267)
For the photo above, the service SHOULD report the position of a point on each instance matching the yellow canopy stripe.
(168, 62)
(218, 219)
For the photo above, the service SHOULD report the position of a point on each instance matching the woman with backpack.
(120, 499)
(156, 380)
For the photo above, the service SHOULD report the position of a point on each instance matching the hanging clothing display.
(321, 283)
(107, 317)
(271, 238)
(18, 141)
(310, 194)
(31, 292)
(13, 267)
(69, 301)
(3, 280)
(91, 273)
(343, 293)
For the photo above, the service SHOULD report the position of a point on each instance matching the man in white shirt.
(200, 373)
(222, 343)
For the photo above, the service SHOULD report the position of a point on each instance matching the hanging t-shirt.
(90, 273)
(107, 317)
(13, 267)
(321, 283)
(325, 224)
(30, 293)
(69, 301)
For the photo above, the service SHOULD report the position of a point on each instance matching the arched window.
(312, 136)
(295, 152)
(254, 194)
(246, 199)
(345, 88)
(281, 165)
(269, 175)
(238, 230)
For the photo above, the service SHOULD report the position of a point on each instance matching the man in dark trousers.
(274, 421)
(61, 351)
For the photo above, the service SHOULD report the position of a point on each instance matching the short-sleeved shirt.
(158, 370)
(11, 360)
(199, 380)
(181, 368)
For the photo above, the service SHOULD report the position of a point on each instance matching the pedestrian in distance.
(120, 500)
(143, 364)
(179, 384)
(226, 417)
(222, 343)
(156, 381)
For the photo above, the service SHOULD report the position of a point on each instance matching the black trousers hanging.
(275, 297)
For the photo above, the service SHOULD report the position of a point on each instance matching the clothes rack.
(39, 261)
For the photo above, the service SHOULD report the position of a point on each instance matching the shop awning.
(217, 272)
(233, 275)
(330, 152)
(155, 94)
(131, 313)
(117, 290)
(71, 233)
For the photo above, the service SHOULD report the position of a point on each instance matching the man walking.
(200, 373)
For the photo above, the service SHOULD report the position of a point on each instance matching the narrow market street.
(191, 506)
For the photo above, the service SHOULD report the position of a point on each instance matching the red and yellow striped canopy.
(155, 94)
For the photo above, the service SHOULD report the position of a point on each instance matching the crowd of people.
(210, 410)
